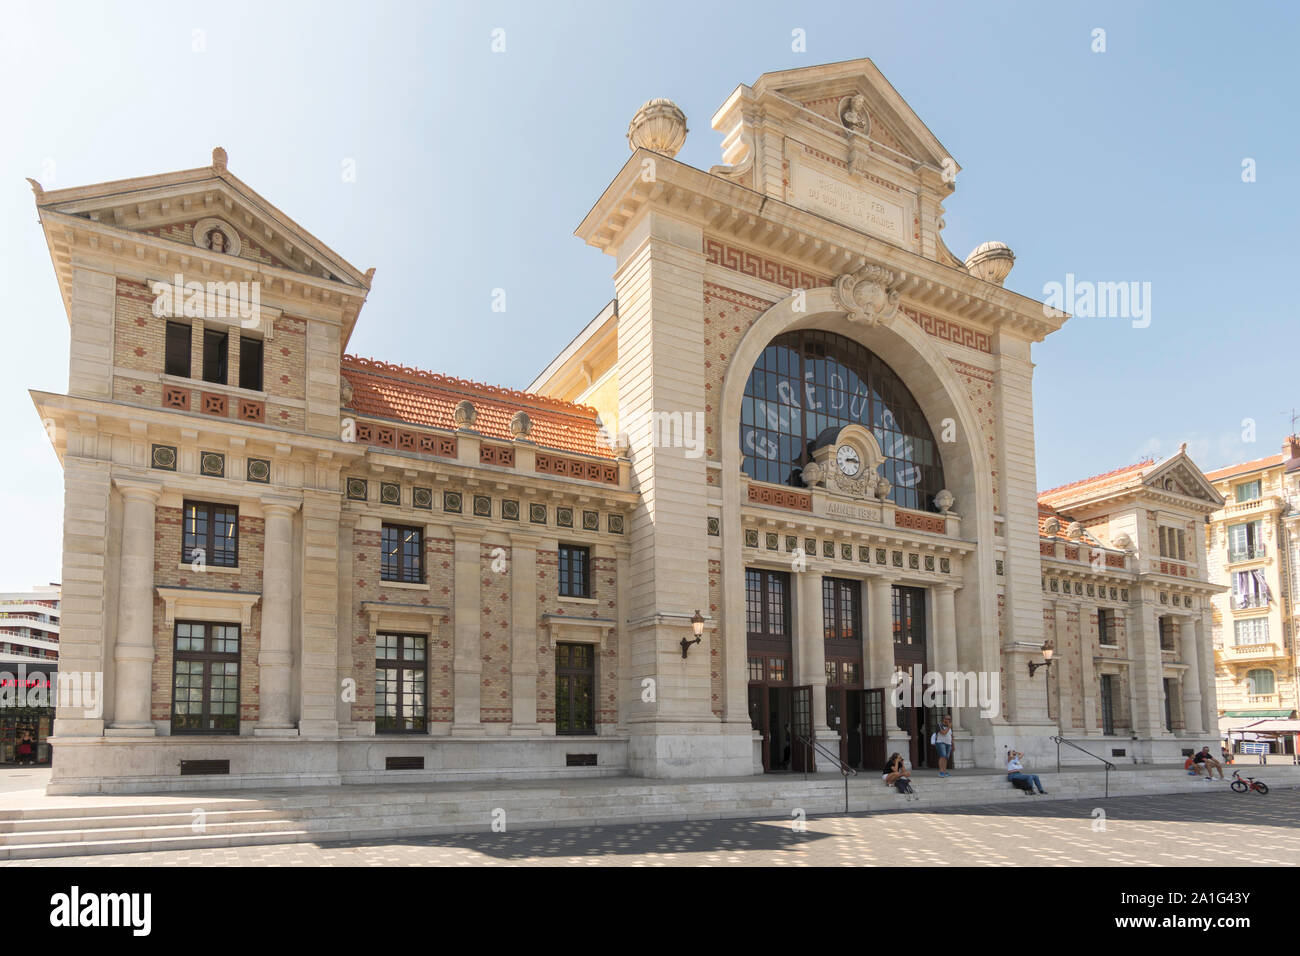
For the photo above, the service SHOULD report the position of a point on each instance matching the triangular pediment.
(206, 209)
(829, 92)
(1179, 476)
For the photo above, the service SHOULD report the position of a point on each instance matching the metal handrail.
(1070, 743)
(846, 771)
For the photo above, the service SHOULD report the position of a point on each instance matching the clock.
(850, 463)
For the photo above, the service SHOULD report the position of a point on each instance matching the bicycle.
(1249, 783)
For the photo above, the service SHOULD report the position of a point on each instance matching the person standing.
(25, 751)
(942, 741)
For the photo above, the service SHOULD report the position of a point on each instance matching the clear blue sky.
(473, 169)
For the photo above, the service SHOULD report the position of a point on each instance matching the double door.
(783, 715)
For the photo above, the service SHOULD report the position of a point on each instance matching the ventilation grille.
(580, 760)
(403, 763)
(198, 768)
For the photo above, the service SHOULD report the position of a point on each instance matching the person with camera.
(1017, 776)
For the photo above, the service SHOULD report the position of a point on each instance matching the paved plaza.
(1215, 828)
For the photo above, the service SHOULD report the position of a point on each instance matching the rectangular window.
(575, 571)
(1105, 626)
(575, 689)
(210, 535)
(1249, 589)
(1108, 704)
(1251, 631)
(400, 683)
(401, 554)
(767, 604)
(177, 359)
(1246, 541)
(250, 363)
(909, 615)
(1166, 626)
(215, 342)
(1249, 491)
(205, 679)
(841, 609)
(1173, 543)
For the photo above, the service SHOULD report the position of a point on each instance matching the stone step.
(31, 851)
(30, 825)
(147, 831)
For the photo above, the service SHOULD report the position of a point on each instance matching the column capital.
(272, 504)
(139, 488)
(523, 539)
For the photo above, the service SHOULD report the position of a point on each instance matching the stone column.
(810, 662)
(1205, 673)
(1146, 672)
(523, 635)
(467, 663)
(1087, 674)
(275, 661)
(133, 653)
(1061, 663)
(945, 641)
(1189, 648)
(880, 637)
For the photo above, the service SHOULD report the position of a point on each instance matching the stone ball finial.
(521, 425)
(1052, 526)
(219, 157)
(883, 487)
(1124, 543)
(991, 261)
(1075, 530)
(464, 414)
(659, 126)
(943, 501)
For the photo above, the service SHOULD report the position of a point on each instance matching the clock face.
(848, 460)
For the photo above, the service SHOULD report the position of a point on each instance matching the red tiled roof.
(1271, 461)
(417, 397)
(1097, 482)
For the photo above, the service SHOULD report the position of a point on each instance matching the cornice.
(805, 240)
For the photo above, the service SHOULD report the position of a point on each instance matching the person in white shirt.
(1016, 774)
(942, 740)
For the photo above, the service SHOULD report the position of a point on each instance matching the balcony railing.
(1261, 651)
(1246, 554)
(1241, 602)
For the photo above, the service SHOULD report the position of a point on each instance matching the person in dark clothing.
(896, 774)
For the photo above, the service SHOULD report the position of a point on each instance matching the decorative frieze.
(779, 497)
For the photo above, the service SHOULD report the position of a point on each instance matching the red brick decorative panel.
(174, 396)
(251, 410)
(496, 455)
(1047, 548)
(779, 497)
(1072, 552)
(212, 403)
(913, 521)
(760, 267)
(575, 468)
(1178, 570)
(400, 439)
(1114, 560)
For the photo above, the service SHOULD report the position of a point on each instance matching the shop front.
(27, 697)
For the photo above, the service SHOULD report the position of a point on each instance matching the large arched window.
(809, 381)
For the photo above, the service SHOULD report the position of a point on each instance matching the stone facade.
(627, 450)
(1253, 551)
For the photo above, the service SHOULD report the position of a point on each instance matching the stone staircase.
(40, 827)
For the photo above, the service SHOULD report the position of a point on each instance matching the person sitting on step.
(1019, 779)
(896, 774)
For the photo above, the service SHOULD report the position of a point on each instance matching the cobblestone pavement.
(1217, 828)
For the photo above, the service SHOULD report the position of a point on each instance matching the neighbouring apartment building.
(1252, 547)
(29, 664)
(790, 464)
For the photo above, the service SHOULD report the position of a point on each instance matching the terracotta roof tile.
(418, 397)
(1110, 479)
(1271, 461)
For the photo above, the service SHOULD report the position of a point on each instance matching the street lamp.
(697, 628)
(1047, 662)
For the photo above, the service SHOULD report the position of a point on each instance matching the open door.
(803, 759)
